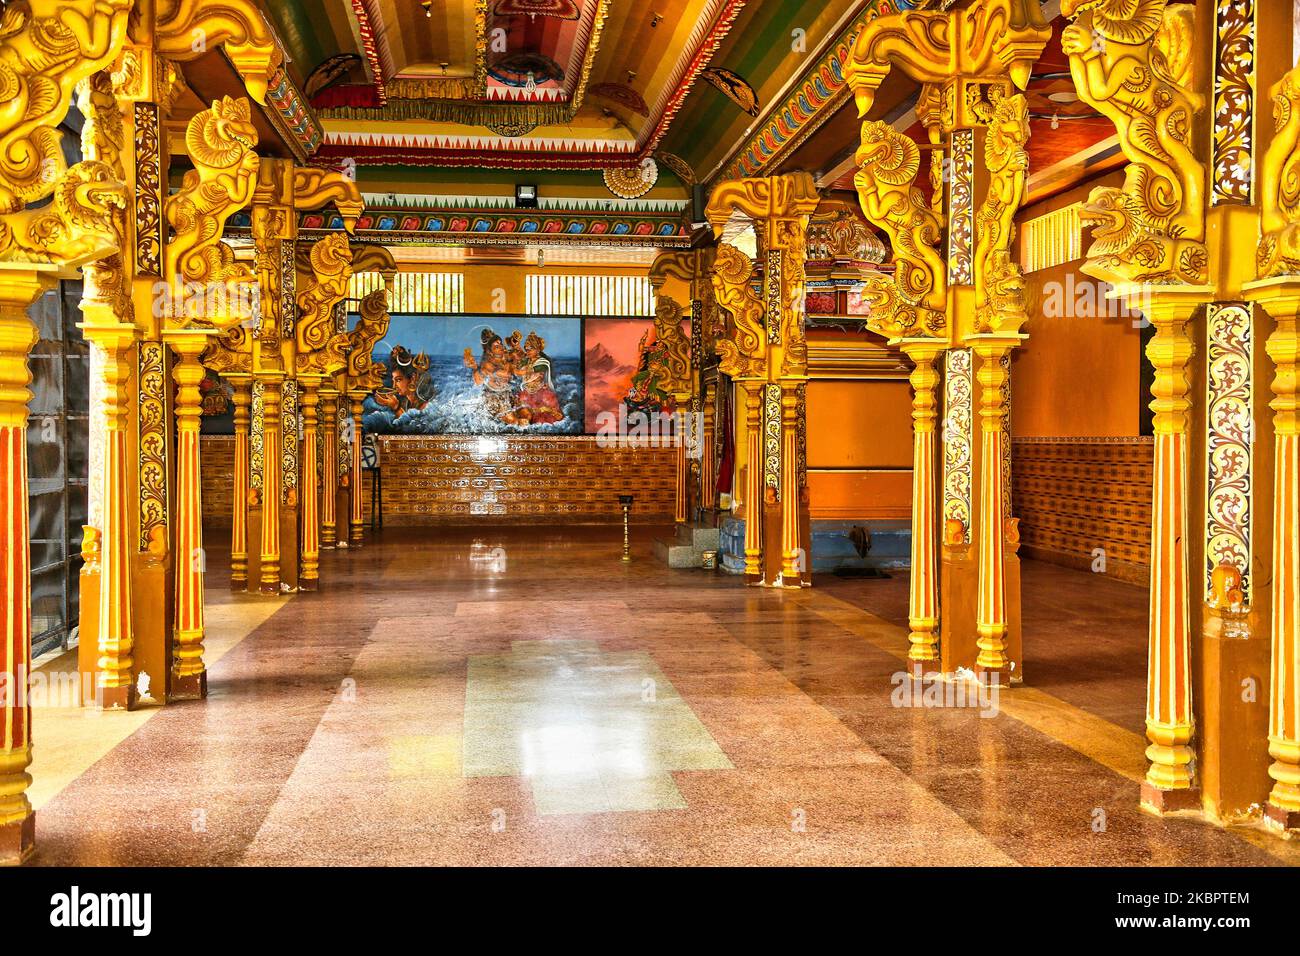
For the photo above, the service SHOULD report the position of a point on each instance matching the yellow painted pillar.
(20, 286)
(115, 686)
(329, 408)
(271, 454)
(190, 675)
(357, 536)
(991, 607)
(1284, 701)
(1169, 780)
(309, 578)
(242, 401)
(753, 482)
(796, 562)
(1281, 297)
(923, 595)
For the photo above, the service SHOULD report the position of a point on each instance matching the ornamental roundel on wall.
(633, 182)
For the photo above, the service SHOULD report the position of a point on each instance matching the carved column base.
(190, 686)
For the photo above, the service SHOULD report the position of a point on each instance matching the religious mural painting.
(478, 375)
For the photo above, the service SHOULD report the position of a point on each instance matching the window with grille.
(1052, 239)
(588, 295)
(414, 292)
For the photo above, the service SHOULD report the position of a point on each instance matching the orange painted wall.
(859, 449)
(1076, 375)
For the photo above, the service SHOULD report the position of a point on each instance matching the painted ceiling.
(613, 108)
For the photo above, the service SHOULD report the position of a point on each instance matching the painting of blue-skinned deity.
(478, 375)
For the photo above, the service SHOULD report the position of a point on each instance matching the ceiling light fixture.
(428, 8)
(525, 196)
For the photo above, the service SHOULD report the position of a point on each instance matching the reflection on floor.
(553, 705)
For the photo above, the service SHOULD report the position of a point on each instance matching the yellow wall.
(1076, 375)
(859, 424)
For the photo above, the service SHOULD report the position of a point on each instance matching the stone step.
(677, 555)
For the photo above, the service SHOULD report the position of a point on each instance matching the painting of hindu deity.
(629, 363)
(478, 375)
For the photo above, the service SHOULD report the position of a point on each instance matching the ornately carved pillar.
(329, 409)
(115, 683)
(20, 286)
(753, 481)
(309, 579)
(1169, 722)
(923, 593)
(991, 607)
(242, 400)
(357, 518)
(190, 674)
(271, 454)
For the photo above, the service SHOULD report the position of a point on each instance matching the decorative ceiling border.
(821, 90)
(290, 112)
(369, 47)
(606, 206)
(480, 225)
(674, 94)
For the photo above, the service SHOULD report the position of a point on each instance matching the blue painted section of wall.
(832, 545)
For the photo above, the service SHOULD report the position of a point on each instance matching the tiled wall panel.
(1076, 495)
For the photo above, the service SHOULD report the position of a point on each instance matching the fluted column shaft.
(19, 287)
(242, 400)
(753, 483)
(357, 518)
(794, 563)
(114, 674)
(190, 680)
(991, 606)
(329, 409)
(309, 578)
(923, 594)
(1284, 701)
(1169, 683)
(271, 472)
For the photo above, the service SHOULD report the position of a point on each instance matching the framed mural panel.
(478, 375)
(611, 357)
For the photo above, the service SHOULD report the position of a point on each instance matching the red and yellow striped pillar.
(357, 522)
(753, 481)
(923, 589)
(1170, 778)
(242, 400)
(272, 382)
(190, 674)
(1281, 297)
(309, 514)
(796, 563)
(991, 606)
(115, 686)
(20, 286)
(1284, 703)
(329, 410)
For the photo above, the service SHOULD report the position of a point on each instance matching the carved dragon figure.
(741, 353)
(77, 226)
(1131, 61)
(1279, 184)
(46, 48)
(372, 326)
(999, 282)
(320, 346)
(914, 300)
(221, 142)
(675, 347)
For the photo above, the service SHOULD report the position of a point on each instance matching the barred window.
(589, 295)
(1052, 239)
(415, 292)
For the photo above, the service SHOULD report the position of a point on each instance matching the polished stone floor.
(520, 696)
